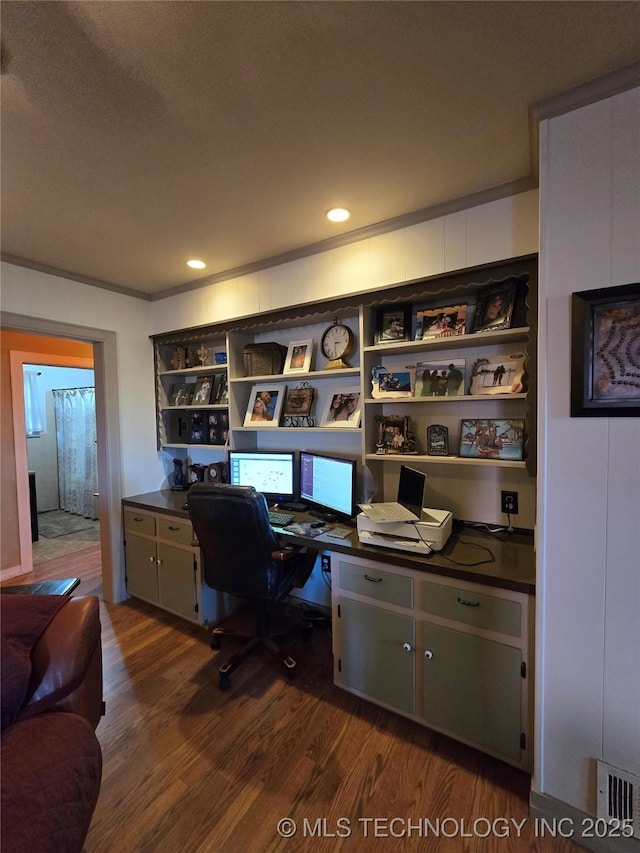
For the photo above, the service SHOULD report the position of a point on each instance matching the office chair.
(242, 556)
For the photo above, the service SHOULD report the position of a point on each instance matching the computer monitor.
(271, 472)
(328, 485)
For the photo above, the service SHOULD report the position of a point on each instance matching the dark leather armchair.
(243, 556)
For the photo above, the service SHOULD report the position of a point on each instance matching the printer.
(429, 533)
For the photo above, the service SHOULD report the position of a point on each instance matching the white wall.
(588, 630)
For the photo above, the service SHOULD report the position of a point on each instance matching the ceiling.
(136, 135)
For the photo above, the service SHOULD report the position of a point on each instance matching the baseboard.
(11, 572)
(577, 826)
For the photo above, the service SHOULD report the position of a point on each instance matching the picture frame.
(196, 428)
(299, 355)
(605, 352)
(180, 394)
(389, 384)
(492, 439)
(494, 307)
(394, 435)
(299, 401)
(445, 321)
(202, 391)
(437, 440)
(342, 409)
(393, 324)
(446, 378)
(265, 405)
(502, 374)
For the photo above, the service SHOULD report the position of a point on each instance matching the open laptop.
(410, 501)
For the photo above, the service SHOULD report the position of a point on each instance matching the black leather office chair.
(243, 556)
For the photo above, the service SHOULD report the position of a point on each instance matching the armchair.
(242, 556)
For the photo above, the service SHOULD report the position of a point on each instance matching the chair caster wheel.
(224, 683)
(215, 643)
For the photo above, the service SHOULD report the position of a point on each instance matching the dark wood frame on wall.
(605, 352)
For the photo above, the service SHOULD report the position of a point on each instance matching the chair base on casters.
(255, 641)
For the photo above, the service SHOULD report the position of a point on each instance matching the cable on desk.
(490, 559)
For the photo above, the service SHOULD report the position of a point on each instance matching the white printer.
(405, 524)
(428, 534)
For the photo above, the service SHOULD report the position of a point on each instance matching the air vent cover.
(619, 796)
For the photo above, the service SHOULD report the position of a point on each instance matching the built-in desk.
(445, 639)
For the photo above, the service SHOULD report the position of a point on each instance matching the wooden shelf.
(517, 335)
(445, 460)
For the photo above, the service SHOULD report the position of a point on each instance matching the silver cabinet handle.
(407, 647)
(159, 562)
(428, 654)
(152, 559)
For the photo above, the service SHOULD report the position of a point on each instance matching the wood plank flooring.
(188, 768)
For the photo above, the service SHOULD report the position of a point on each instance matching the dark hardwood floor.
(190, 768)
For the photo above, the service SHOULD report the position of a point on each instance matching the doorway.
(105, 364)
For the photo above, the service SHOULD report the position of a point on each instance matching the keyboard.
(279, 519)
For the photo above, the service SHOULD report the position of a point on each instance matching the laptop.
(408, 507)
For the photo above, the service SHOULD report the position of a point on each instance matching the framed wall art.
(444, 322)
(605, 352)
(342, 409)
(392, 383)
(298, 405)
(265, 405)
(498, 375)
(492, 439)
(393, 324)
(299, 354)
(495, 307)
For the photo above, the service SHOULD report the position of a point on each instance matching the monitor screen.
(328, 484)
(270, 472)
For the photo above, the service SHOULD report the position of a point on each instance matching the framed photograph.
(265, 405)
(299, 401)
(202, 391)
(196, 428)
(180, 394)
(342, 409)
(498, 375)
(299, 354)
(223, 396)
(441, 378)
(394, 435)
(492, 439)
(387, 383)
(495, 307)
(605, 352)
(444, 322)
(393, 324)
(437, 440)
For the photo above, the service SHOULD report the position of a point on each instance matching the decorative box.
(264, 359)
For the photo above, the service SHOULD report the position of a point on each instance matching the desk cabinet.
(454, 655)
(163, 567)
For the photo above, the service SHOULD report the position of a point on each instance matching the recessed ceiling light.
(338, 214)
(196, 265)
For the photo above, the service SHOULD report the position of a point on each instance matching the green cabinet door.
(472, 689)
(176, 581)
(141, 568)
(377, 653)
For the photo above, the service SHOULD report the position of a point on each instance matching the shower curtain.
(77, 450)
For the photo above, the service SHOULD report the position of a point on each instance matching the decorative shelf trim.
(192, 371)
(445, 460)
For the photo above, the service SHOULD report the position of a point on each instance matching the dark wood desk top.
(64, 586)
(471, 554)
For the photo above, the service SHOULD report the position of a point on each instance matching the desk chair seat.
(242, 556)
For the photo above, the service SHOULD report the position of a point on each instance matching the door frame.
(105, 368)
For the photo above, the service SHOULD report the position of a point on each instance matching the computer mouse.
(318, 523)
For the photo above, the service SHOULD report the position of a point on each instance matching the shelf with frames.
(515, 335)
(408, 458)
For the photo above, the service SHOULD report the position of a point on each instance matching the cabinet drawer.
(138, 522)
(175, 530)
(374, 583)
(472, 608)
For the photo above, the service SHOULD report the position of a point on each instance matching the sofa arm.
(66, 662)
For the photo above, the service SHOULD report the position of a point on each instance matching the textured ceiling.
(136, 135)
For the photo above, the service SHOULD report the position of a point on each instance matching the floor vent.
(619, 797)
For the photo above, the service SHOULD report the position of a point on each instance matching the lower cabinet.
(162, 566)
(453, 655)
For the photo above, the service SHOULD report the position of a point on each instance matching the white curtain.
(77, 451)
(32, 413)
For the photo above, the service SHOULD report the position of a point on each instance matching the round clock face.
(337, 341)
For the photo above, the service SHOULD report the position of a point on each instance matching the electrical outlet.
(325, 563)
(510, 503)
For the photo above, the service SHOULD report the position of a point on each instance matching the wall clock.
(338, 342)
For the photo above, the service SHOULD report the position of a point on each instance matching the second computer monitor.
(328, 484)
(271, 472)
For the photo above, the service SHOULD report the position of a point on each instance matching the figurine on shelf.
(178, 476)
(203, 354)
